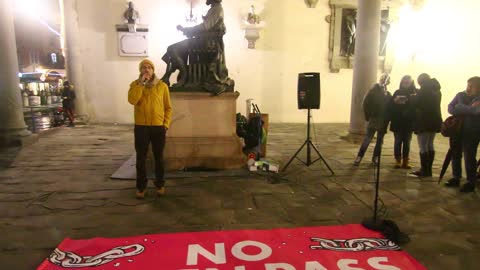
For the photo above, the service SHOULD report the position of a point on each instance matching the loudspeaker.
(308, 90)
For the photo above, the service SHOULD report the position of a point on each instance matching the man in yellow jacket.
(153, 113)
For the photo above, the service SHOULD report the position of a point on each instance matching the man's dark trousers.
(456, 148)
(143, 136)
(471, 139)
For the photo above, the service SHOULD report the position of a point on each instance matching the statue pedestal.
(203, 132)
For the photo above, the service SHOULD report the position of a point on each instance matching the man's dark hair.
(475, 81)
(422, 78)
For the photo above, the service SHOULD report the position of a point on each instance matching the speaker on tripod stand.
(308, 97)
(308, 91)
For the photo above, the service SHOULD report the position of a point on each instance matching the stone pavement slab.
(60, 187)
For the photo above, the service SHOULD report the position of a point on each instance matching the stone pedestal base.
(203, 132)
(204, 152)
(13, 137)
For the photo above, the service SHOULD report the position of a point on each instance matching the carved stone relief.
(343, 33)
(132, 37)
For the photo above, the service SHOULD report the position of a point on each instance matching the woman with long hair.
(401, 118)
(428, 120)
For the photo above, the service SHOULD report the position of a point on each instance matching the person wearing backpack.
(466, 104)
(465, 97)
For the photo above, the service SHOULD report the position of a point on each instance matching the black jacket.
(400, 110)
(375, 108)
(428, 114)
(68, 98)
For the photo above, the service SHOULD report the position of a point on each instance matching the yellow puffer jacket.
(152, 103)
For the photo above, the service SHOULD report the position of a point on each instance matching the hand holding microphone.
(145, 78)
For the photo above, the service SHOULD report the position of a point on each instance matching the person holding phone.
(401, 118)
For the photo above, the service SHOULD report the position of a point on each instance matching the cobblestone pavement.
(60, 187)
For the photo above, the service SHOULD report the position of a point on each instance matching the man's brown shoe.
(161, 191)
(140, 195)
(405, 163)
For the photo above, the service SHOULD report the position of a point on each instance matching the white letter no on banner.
(265, 251)
(217, 258)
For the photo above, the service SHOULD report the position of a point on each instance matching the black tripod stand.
(388, 228)
(308, 143)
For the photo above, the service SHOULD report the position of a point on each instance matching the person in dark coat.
(470, 133)
(375, 110)
(401, 118)
(465, 98)
(427, 122)
(68, 98)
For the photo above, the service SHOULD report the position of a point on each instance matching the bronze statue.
(200, 58)
(350, 33)
(252, 17)
(384, 29)
(131, 15)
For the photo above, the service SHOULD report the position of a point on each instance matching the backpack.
(241, 125)
(251, 131)
(254, 132)
(452, 126)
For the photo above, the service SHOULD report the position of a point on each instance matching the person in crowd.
(68, 102)
(152, 112)
(467, 104)
(374, 107)
(466, 98)
(401, 118)
(427, 121)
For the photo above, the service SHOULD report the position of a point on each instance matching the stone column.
(366, 59)
(73, 57)
(12, 123)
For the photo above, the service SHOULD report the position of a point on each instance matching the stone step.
(207, 152)
(211, 147)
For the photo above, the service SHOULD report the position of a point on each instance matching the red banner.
(349, 247)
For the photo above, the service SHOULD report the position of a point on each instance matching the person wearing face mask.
(152, 112)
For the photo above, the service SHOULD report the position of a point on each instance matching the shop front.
(42, 101)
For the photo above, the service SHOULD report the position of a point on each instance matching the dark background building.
(37, 34)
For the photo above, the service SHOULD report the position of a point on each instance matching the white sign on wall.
(133, 44)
